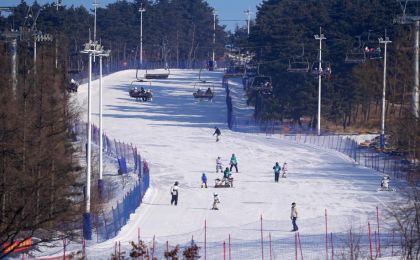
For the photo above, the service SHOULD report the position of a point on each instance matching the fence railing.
(107, 224)
(394, 165)
(266, 241)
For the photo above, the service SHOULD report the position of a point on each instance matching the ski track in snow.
(174, 133)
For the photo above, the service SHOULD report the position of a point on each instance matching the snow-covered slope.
(174, 133)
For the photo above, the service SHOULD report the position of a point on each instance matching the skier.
(215, 201)
(294, 216)
(284, 169)
(217, 133)
(174, 193)
(203, 180)
(219, 164)
(233, 162)
(277, 170)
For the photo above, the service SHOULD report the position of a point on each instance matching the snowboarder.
(215, 201)
(277, 170)
(385, 184)
(203, 180)
(219, 164)
(294, 216)
(174, 193)
(217, 133)
(233, 162)
(284, 170)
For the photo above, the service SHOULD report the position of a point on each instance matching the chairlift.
(372, 49)
(357, 54)
(144, 94)
(234, 71)
(157, 75)
(262, 84)
(204, 91)
(75, 64)
(299, 64)
(325, 69)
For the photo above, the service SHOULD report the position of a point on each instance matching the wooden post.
(205, 239)
(332, 246)
(271, 254)
(224, 250)
(300, 245)
(167, 248)
(296, 250)
(379, 234)
(230, 253)
(326, 234)
(262, 239)
(370, 242)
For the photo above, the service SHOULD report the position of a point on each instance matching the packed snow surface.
(174, 133)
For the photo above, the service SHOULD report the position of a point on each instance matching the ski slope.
(174, 133)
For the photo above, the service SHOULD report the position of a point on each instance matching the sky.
(226, 9)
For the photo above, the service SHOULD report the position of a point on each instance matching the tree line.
(177, 32)
(352, 95)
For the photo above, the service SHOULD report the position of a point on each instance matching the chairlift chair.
(298, 66)
(325, 69)
(138, 95)
(235, 71)
(157, 75)
(200, 91)
(262, 84)
(372, 49)
(75, 64)
(357, 54)
(355, 57)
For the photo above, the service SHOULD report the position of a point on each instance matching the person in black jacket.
(217, 133)
(174, 193)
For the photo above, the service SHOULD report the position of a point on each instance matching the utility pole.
(413, 18)
(385, 42)
(141, 10)
(100, 181)
(248, 20)
(415, 94)
(92, 49)
(214, 34)
(95, 5)
(319, 38)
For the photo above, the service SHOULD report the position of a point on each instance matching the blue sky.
(226, 9)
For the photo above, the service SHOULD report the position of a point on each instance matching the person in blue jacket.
(277, 170)
(203, 180)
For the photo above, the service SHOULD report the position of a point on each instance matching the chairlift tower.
(382, 137)
(141, 11)
(214, 35)
(248, 20)
(319, 38)
(408, 18)
(12, 36)
(92, 49)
